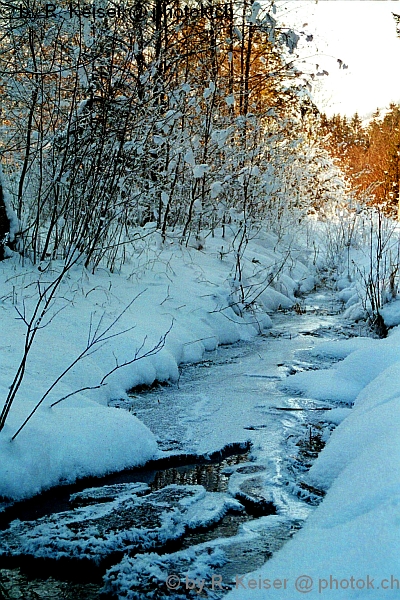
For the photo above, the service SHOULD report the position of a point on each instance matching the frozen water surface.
(234, 397)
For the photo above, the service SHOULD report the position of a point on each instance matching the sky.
(361, 33)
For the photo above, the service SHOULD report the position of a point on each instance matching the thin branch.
(85, 353)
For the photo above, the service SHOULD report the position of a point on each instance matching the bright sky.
(361, 33)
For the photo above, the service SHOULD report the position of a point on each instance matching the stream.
(225, 495)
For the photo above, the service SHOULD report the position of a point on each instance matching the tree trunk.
(4, 224)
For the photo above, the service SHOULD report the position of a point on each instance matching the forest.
(183, 121)
(369, 154)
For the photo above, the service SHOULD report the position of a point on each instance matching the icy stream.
(193, 522)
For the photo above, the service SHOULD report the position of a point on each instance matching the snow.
(192, 293)
(128, 520)
(345, 380)
(349, 545)
(339, 349)
(391, 313)
(134, 577)
(11, 215)
(200, 170)
(68, 442)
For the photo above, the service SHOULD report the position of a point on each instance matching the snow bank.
(349, 547)
(194, 295)
(65, 443)
(344, 381)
